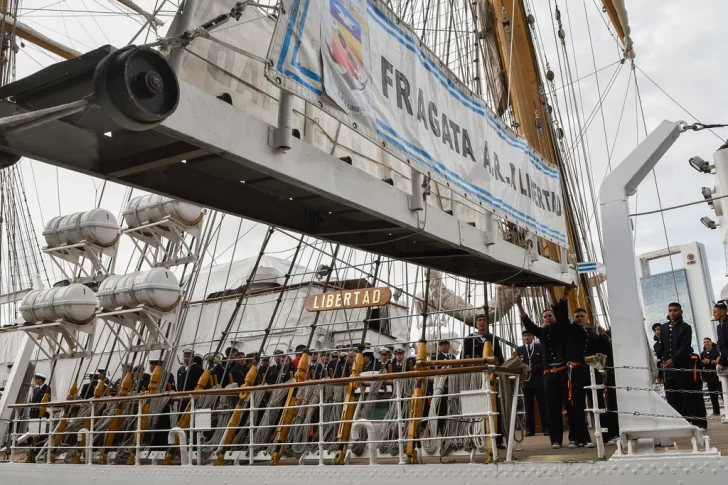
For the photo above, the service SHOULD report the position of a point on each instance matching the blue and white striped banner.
(590, 267)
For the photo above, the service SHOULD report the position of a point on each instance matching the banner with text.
(360, 63)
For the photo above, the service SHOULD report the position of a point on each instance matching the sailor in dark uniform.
(720, 314)
(709, 357)
(474, 344)
(473, 348)
(163, 423)
(580, 341)
(37, 396)
(386, 363)
(315, 368)
(444, 351)
(657, 347)
(675, 337)
(555, 369)
(531, 353)
(371, 364)
(189, 373)
(399, 364)
(221, 369)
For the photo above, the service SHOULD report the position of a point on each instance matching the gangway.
(212, 154)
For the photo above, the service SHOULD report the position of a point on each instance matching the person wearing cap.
(315, 368)
(284, 368)
(88, 390)
(220, 371)
(189, 373)
(41, 389)
(444, 350)
(399, 364)
(141, 378)
(386, 359)
(371, 363)
(709, 358)
(531, 353)
(337, 364)
(300, 349)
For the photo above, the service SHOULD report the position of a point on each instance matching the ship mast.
(529, 104)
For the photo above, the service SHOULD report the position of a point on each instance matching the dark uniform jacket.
(712, 355)
(37, 397)
(338, 368)
(675, 340)
(373, 365)
(316, 371)
(551, 337)
(723, 342)
(399, 367)
(581, 342)
(473, 347)
(533, 356)
(188, 377)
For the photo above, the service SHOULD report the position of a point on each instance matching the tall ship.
(318, 231)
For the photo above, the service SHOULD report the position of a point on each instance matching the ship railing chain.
(662, 369)
(684, 391)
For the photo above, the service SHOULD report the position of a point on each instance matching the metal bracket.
(60, 340)
(102, 261)
(138, 329)
(168, 240)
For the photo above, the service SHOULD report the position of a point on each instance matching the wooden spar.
(98, 392)
(347, 413)
(521, 73)
(145, 406)
(237, 414)
(115, 423)
(35, 37)
(61, 429)
(614, 18)
(284, 425)
(184, 421)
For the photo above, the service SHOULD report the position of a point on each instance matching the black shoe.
(530, 434)
(501, 446)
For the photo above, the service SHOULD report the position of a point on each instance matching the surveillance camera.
(707, 193)
(700, 165)
(708, 222)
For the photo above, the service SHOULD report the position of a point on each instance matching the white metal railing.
(195, 446)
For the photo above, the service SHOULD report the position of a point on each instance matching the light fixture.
(708, 222)
(708, 195)
(700, 165)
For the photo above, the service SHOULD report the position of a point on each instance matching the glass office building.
(658, 291)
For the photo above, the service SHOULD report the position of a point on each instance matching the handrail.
(233, 391)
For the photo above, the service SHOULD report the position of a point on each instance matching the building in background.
(686, 281)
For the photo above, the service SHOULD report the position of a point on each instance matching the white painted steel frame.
(204, 121)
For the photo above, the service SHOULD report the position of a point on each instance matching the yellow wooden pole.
(146, 405)
(284, 425)
(60, 431)
(126, 385)
(184, 421)
(417, 406)
(347, 413)
(237, 414)
(98, 392)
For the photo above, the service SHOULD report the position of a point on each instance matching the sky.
(679, 46)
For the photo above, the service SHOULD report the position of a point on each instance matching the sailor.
(657, 347)
(141, 379)
(580, 341)
(399, 364)
(473, 345)
(609, 420)
(531, 353)
(300, 349)
(444, 351)
(237, 370)
(555, 368)
(125, 369)
(189, 373)
(41, 389)
(315, 368)
(221, 368)
(371, 363)
(473, 348)
(709, 357)
(88, 389)
(163, 422)
(284, 367)
(677, 357)
(386, 363)
(720, 315)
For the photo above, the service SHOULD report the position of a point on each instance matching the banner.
(361, 64)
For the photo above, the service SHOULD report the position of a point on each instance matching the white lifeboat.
(97, 226)
(75, 303)
(151, 208)
(157, 288)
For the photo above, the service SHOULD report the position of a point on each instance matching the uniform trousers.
(529, 396)
(576, 404)
(688, 404)
(556, 391)
(711, 378)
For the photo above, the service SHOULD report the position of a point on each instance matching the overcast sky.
(680, 45)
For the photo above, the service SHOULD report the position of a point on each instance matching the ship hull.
(643, 470)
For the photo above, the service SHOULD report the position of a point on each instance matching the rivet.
(700, 470)
(621, 472)
(714, 471)
(609, 472)
(639, 466)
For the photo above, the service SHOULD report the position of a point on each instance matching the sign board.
(339, 300)
(359, 62)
